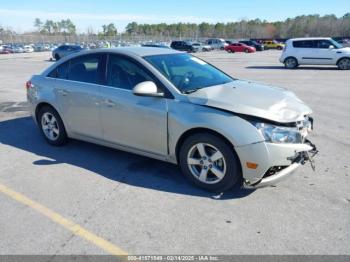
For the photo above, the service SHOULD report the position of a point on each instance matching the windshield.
(336, 44)
(187, 72)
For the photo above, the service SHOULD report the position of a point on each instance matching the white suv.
(315, 51)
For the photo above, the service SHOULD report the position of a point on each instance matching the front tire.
(290, 63)
(344, 64)
(209, 162)
(51, 126)
(57, 57)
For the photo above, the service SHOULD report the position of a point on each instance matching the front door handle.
(63, 92)
(109, 103)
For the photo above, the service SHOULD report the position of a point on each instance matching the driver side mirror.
(147, 88)
(331, 47)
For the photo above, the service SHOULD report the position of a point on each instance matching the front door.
(136, 122)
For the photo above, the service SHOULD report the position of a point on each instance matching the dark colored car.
(7, 50)
(155, 45)
(184, 46)
(65, 50)
(258, 47)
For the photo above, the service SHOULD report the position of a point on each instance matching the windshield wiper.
(190, 91)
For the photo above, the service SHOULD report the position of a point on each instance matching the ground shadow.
(116, 165)
(299, 68)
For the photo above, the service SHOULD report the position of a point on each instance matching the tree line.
(300, 26)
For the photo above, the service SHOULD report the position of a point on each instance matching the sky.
(19, 15)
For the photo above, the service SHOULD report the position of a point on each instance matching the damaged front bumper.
(279, 161)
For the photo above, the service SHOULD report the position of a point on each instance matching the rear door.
(304, 51)
(79, 95)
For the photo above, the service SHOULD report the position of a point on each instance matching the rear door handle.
(63, 92)
(109, 103)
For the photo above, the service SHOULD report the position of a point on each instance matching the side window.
(125, 74)
(85, 69)
(323, 44)
(304, 44)
(60, 71)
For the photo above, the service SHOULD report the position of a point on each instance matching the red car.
(239, 47)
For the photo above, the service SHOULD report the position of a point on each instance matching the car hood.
(345, 49)
(248, 98)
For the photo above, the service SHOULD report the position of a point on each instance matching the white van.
(315, 51)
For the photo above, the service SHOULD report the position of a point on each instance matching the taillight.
(29, 84)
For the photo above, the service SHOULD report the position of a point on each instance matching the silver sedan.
(172, 106)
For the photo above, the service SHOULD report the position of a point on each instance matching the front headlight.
(277, 134)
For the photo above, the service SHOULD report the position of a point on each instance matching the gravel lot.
(145, 206)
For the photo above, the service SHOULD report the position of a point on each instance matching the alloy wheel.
(344, 64)
(206, 163)
(49, 126)
(291, 63)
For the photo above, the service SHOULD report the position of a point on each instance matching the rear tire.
(209, 162)
(51, 126)
(344, 64)
(279, 47)
(290, 63)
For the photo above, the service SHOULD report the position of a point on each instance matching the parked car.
(217, 43)
(17, 49)
(239, 47)
(172, 106)
(315, 51)
(4, 50)
(272, 44)
(65, 50)
(202, 47)
(155, 45)
(344, 42)
(7, 49)
(39, 48)
(28, 49)
(256, 45)
(184, 46)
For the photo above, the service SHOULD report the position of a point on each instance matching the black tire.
(62, 137)
(246, 51)
(344, 64)
(279, 47)
(291, 63)
(229, 51)
(57, 57)
(232, 175)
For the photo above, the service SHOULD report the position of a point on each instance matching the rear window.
(84, 69)
(60, 71)
(304, 44)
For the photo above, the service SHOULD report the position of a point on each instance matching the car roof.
(138, 51)
(309, 38)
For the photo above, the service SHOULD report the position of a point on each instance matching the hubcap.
(290, 63)
(49, 126)
(206, 163)
(344, 64)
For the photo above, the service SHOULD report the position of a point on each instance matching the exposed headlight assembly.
(277, 134)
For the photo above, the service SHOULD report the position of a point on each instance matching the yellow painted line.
(57, 218)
